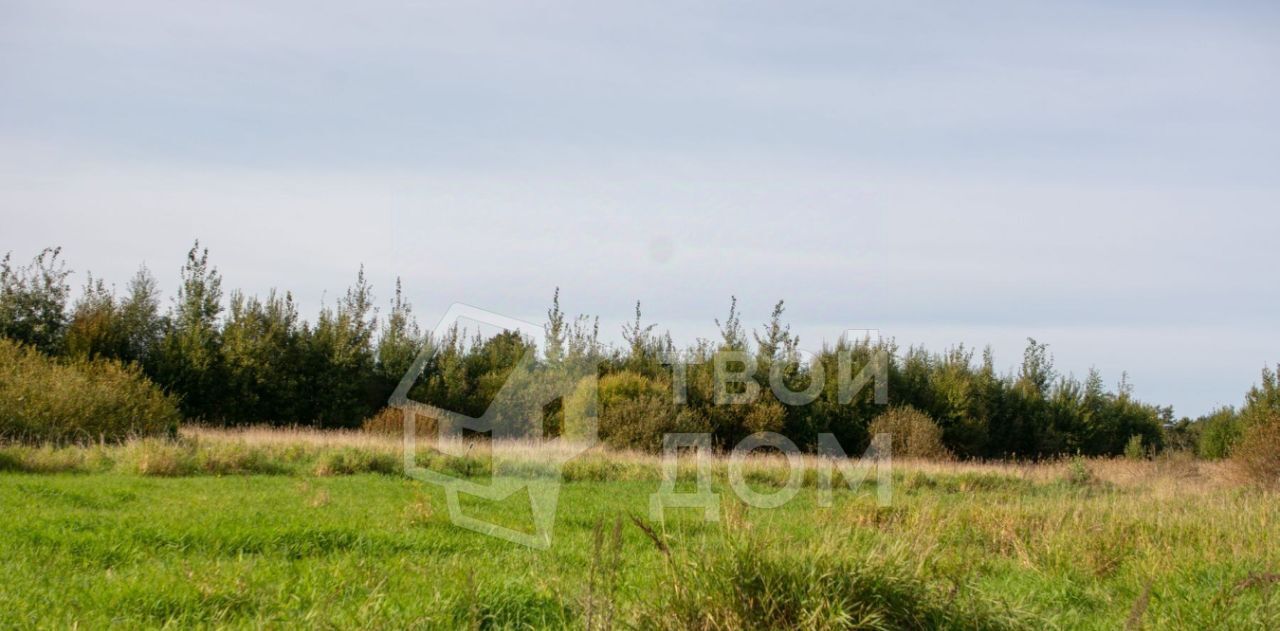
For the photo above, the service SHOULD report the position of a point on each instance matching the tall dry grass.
(1165, 474)
(305, 451)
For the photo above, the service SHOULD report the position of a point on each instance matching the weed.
(1079, 473)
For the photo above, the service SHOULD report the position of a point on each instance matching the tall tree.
(1263, 399)
(191, 359)
(95, 329)
(776, 340)
(33, 300)
(260, 352)
(399, 342)
(638, 335)
(340, 359)
(555, 331)
(732, 335)
(1036, 372)
(140, 319)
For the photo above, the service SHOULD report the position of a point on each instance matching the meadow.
(271, 528)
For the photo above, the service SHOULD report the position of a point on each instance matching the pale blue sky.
(1102, 175)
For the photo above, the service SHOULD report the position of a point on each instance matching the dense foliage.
(1257, 455)
(235, 359)
(913, 433)
(80, 400)
(1217, 435)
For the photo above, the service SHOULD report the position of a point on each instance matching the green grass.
(262, 527)
(955, 550)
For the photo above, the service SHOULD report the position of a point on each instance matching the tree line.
(236, 359)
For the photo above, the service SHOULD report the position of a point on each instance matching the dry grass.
(1168, 474)
(266, 450)
(1174, 473)
(306, 436)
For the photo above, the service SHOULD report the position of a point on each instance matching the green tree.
(260, 354)
(191, 363)
(140, 319)
(643, 349)
(1263, 400)
(96, 329)
(555, 331)
(340, 359)
(1036, 372)
(399, 343)
(776, 341)
(33, 301)
(1219, 432)
(732, 335)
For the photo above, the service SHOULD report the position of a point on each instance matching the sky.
(1101, 176)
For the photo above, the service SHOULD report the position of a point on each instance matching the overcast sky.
(1099, 175)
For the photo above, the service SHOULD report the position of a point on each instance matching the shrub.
(1079, 473)
(628, 385)
(643, 423)
(765, 416)
(634, 412)
(1257, 455)
(390, 421)
(43, 400)
(914, 434)
(1134, 450)
(1220, 432)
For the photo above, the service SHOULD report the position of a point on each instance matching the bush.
(643, 423)
(1257, 455)
(1134, 450)
(390, 421)
(634, 412)
(765, 416)
(1220, 432)
(914, 434)
(628, 386)
(43, 400)
(1079, 473)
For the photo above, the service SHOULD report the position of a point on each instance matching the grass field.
(275, 530)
